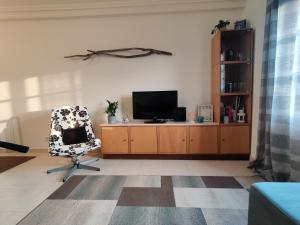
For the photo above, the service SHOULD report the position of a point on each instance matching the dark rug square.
(8, 162)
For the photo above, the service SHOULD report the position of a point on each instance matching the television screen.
(154, 104)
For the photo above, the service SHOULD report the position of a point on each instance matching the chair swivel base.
(76, 165)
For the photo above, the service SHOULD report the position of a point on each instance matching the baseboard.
(176, 156)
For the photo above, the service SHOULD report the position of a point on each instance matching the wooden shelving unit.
(232, 81)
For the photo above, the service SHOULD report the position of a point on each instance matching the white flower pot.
(112, 119)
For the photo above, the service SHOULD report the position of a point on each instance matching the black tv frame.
(154, 118)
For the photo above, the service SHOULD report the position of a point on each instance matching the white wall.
(255, 11)
(34, 76)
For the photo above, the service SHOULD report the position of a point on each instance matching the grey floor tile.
(124, 215)
(142, 181)
(157, 216)
(188, 181)
(70, 212)
(181, 216)
(246, 182)
(225, 216)
(99, 188)
(211, 198)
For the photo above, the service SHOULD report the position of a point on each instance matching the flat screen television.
(154, 105)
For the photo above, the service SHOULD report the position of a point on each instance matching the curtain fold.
(278, 149)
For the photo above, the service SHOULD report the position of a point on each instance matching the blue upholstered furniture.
(273, 203)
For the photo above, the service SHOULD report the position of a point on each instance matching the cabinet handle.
(183, 140)
(223, 139)
(124, 140)
(192, 140)
(131, 140)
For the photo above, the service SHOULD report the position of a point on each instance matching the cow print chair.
(72, 136)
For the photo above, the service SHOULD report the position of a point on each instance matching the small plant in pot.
(111, 111)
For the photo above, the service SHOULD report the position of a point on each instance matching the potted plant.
(111, 111)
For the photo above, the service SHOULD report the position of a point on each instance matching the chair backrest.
(68, 117)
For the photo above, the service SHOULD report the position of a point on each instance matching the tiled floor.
(219, 200)
(24, 187)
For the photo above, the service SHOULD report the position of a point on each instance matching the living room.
(66, 61)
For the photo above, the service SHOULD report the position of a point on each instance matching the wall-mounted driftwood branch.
(118, 53)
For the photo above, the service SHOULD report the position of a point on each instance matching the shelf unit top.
(142, 124)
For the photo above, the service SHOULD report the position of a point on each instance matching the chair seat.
(75, 149)
(274, 203)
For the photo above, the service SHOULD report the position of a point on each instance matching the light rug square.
(226, 216)
(157, 216)
(188, 181)
(143, 181)
(211, 198)
(70, 212)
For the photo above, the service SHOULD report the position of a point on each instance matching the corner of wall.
(254, 12)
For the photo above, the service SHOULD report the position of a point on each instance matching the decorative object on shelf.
(241, 116)
(223, 88)
(206, 111)
(226, 119)
(222, 57)
(200, 119)
(221, 25)
(229, 113)
(240, 56)
(126, 119)
(230, 55)
(240, 24)
(111, 111)
(230, 87)
(192, 116)
(142, 52)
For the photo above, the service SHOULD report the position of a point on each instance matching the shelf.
(235, 94)
(235, 62)
(236, 30)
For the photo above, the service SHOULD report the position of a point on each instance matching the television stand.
(156, 121)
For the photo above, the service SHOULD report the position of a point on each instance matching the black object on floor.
(15, 147)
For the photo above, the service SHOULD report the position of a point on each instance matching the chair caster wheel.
(98, 170)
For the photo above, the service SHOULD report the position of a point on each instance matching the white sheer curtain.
(285, 115)
(279, 126)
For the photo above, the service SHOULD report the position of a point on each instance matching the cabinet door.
(235, 140)
(172, 139)
(143, 140)
(114, 140)
(204, 140)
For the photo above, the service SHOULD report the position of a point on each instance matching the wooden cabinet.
(203, 140)
(143, 140)
(196, 139)
(173, 139)
(114, 140)
(235, 140)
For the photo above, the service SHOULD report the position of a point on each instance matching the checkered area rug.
(144, 200)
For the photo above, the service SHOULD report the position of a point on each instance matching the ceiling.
(31, 9)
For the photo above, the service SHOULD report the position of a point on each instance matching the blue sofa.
(272, 203)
